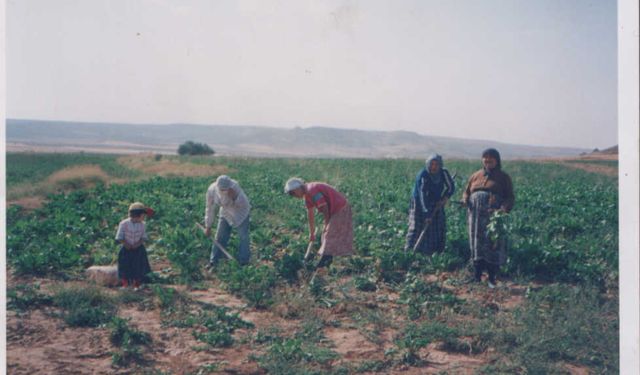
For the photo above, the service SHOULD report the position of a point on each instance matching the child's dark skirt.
(133, 264)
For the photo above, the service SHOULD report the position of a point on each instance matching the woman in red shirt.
(337, 234)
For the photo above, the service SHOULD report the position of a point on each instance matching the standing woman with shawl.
(432, 189)
(488, 190)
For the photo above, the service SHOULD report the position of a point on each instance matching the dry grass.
(590, 163)
(31, 195)
(168, 166)
(26, 202)
(594, 168)
(87, 173)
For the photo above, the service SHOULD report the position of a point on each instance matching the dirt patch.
(450, 363)
(164, 166)
(41, 344)
(351, 345)
(576, 370)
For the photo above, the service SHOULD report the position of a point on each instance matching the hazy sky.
(537, 72)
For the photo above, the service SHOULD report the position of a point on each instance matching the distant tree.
(193, 148)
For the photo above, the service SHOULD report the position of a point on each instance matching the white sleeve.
(421, 195)
(210, 209)
(120, 232)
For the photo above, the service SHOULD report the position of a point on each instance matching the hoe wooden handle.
(224, 251)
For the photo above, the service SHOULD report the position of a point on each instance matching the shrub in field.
(288, 265)
(84, 306)
(392, 265)
(169, 299)
(446, 262)
(357, 264)
(129, 296)
(375, 366)
(254, 283)
(215, 326)
(422, 298)
(55, 253)
(166, 296)
(121, 334)
(211, 324)
(217, 338)
(184, 250)
(127, 340)
(302, 353)
(294, 356)
(414, 337)
(24, 297)
(193, 148)
(365, 283)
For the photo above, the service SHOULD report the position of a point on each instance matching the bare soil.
(39, 341)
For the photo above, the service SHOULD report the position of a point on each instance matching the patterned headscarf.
(434, 177)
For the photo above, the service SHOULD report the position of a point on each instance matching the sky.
(518, 71)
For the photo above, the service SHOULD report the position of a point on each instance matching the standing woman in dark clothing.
(433, 188)
(489, 190)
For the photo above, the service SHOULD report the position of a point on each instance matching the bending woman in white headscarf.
(337, 234)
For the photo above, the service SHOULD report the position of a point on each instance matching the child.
(133, 264)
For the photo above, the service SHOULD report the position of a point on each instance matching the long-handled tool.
(428, 221)
(309, 249)
(310, 246)
(306, 257)
(224, 251)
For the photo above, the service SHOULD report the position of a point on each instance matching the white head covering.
(292, 184)
(224, 182)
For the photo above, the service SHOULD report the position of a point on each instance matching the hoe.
(224, 251)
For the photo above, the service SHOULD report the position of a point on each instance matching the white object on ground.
(103, 275)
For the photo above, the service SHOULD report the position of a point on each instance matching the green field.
(608, 163)
(34, 167)
(563, 254)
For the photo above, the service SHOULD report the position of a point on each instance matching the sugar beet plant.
(563, 226)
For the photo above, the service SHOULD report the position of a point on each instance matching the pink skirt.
(337, 237)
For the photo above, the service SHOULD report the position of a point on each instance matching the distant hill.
(256, 141)
(607, 151)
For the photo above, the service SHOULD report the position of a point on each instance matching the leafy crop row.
(31, 167)
(563, 227)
